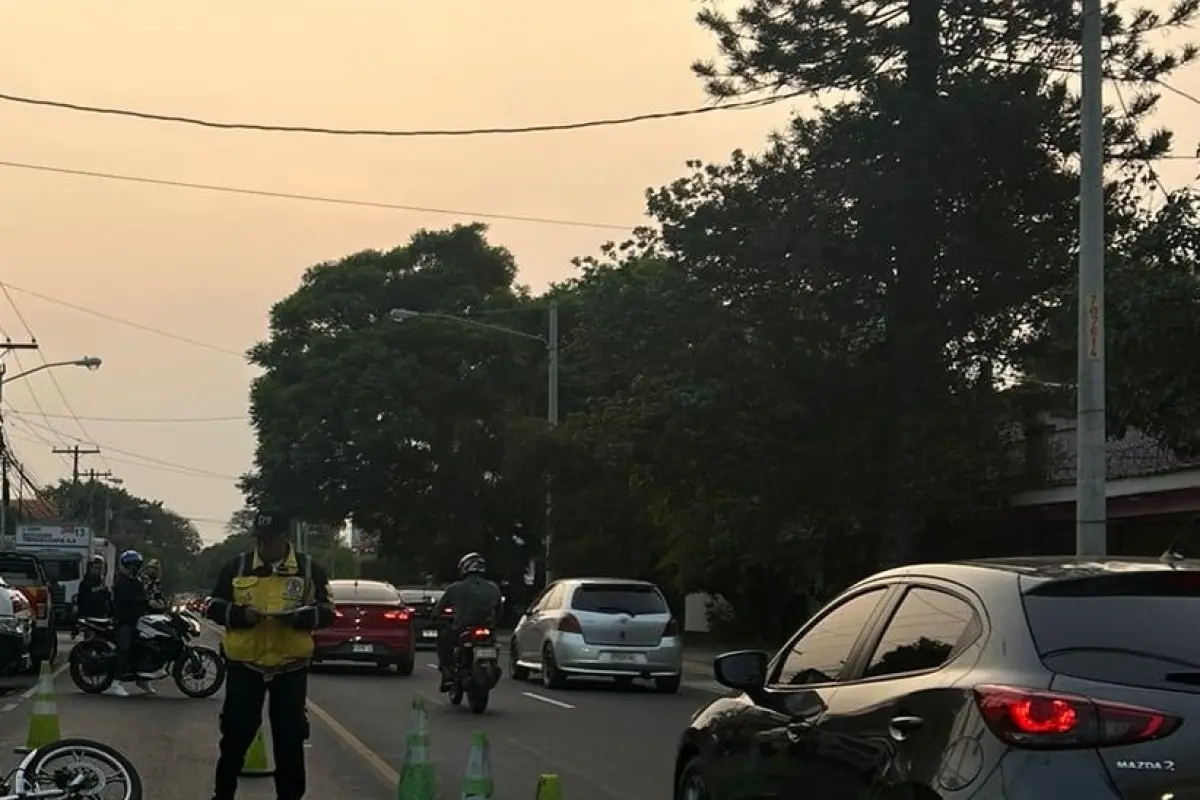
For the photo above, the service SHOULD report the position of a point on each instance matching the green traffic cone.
(548, 788)
(477, 781)
(417, 780)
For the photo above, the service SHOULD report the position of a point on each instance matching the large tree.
(397, 424)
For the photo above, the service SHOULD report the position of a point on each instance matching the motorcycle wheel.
(455, 695)
(87, 682)
(55, 765)
(478, 697)
(184, 668)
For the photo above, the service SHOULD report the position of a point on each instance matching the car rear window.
(618, 598)
(1133, 629)
(419, 596)
(363, 593)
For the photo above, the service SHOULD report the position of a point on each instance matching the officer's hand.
(252, 615)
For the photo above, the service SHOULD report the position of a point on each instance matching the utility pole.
(1091, 460)
(75, 452)
(5, 490)
(552, 418)
(92, 474)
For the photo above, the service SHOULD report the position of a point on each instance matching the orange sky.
(208, 266)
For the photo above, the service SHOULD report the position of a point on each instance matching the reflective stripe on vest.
(271, 643)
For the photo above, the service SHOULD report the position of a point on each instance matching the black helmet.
(268, 524)
(472, 563)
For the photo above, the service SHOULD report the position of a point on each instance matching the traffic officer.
(269, 600)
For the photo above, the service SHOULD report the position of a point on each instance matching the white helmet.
(472, 563)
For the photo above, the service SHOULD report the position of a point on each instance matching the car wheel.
(691, 783)
(517, 672)
(668, 685)
(551, 677)
(404, 667)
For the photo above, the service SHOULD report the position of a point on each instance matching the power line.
(609, 122)
(122, 321)
(340, 201)
(139, 420)
(53, 378)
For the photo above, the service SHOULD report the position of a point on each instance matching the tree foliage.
(797, 373)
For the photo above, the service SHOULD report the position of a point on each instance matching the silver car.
(599, 627)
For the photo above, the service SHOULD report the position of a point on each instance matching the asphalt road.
(603, 743)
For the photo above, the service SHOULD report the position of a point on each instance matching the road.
(604, 744)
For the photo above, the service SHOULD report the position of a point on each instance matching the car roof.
(359, 582)
(610, 581)
(1040, 568)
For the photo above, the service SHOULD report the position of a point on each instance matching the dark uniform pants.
(446, 641)
(241, 716)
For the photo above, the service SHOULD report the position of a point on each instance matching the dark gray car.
(1029, 679)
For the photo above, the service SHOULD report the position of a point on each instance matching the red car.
(371, 625)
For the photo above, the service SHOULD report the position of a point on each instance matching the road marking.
(31, 691)
(550, 700)
(389, 775)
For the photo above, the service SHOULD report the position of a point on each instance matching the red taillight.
(338, 614)
(398, 615)
(447, 612)
(39, 598)
(1033, 718)
(672, 628)
(569, 624)
(481, 633)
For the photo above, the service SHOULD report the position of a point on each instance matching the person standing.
(128, 605)
(269, 600)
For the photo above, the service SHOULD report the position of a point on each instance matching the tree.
(135, 523)
(396, 424)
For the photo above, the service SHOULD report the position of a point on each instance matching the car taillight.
(447, 611)
(672, 628)
(481, 633)
(1033, 718)
(398, 615)
(569, 624)
(39, 598)
(338, 614)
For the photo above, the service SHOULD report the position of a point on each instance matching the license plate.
(429, 634)
(624, 658)
(364, 648)
(485, 652)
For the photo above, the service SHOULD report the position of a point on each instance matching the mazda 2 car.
(1017, 679)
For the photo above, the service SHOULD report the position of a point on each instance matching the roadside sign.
(53, 535)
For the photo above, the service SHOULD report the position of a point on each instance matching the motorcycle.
(162, 645)
(475, 668)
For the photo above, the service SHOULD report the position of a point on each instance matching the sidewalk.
(172, 741)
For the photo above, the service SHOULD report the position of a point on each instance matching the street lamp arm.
(400, 315)
(89, 362)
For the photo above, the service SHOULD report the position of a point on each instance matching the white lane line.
(8, 707)
(32, 690)
(431, 666)
(549, 700)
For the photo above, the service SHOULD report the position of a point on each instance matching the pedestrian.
(151, 576)
(93, 601)
(270, 600)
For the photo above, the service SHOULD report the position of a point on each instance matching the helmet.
(472, 563)
(131, 558)
(99, 559)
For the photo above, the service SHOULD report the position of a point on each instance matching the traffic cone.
(477, 782)
(43, 719)
(548, 788)
(417, 781)
(260, 758)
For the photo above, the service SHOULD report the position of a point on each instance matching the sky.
(81, 254)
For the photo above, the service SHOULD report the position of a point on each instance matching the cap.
(267, 523)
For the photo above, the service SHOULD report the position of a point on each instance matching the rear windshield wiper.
(615, 610)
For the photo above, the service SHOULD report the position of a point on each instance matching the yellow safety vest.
(271, 645)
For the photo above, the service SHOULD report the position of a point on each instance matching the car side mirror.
(744, 670)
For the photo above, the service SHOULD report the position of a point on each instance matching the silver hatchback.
(599, 627)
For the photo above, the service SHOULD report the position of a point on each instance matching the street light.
(550, 342)
(90, 363)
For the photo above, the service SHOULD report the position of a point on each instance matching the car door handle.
(901, 727)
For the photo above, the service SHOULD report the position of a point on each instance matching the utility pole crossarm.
(75, 452)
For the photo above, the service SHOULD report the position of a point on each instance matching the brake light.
(481, 633)
(39, 598)
(1033, 718)
(398, 615)
(338, 614)
(447, 611)
(672, 628)
(569, 624)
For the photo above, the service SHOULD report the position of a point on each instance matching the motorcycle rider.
(270, 600)
(475, 601)
(151, 576)
(129, 604)
(94, 599)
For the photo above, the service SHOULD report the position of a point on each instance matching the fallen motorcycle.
(72, 769)
(162, 645)
(475, 669)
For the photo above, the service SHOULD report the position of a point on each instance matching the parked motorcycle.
(162, 645)
(475, 669)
